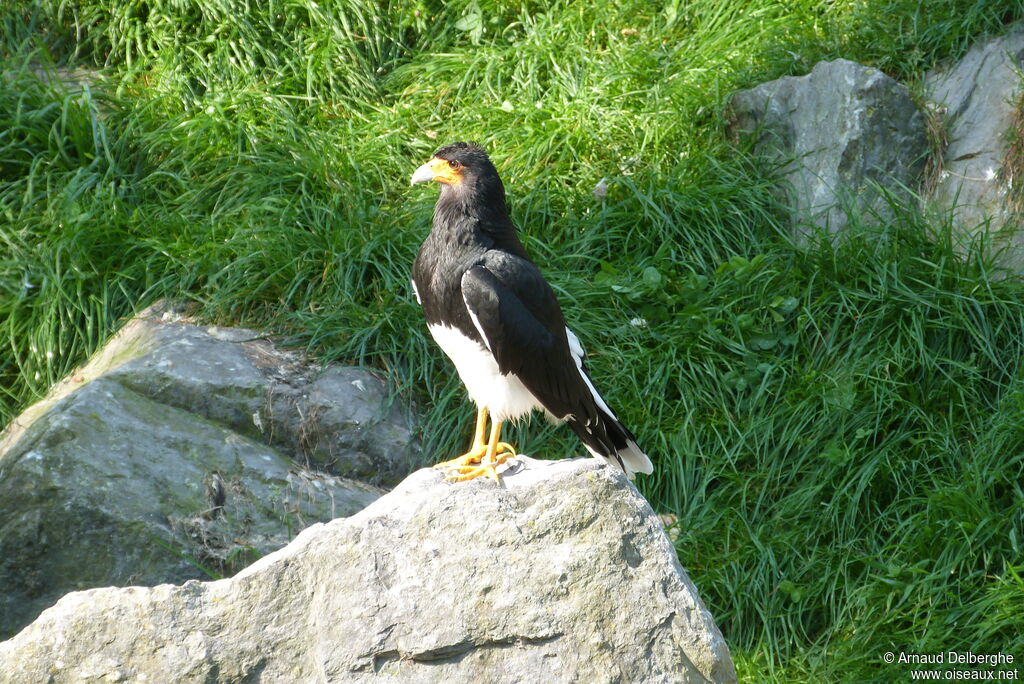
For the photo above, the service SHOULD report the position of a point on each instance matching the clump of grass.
(938, 140)
(834, 427)
(1011, 170)
(920, 36)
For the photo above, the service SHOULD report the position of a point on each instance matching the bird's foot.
(462, 473)
(477, 462)
(476, 455)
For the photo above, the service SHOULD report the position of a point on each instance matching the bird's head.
(470, 187)
(462, 166)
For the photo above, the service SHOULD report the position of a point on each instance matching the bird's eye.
(454, 163)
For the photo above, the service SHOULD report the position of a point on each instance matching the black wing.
(515, 311)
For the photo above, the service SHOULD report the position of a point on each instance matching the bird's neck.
(465, 216)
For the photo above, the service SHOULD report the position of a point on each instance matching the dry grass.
(1011, 171)
(938, 140)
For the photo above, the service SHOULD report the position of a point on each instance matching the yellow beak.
(439, 170)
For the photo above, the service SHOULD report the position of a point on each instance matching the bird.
(489, 308)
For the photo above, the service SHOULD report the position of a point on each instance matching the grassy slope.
(836, 428)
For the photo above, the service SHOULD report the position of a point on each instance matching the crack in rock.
(453, 653)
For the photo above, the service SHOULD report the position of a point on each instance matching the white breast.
(503, 395)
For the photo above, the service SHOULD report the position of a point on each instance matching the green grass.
(836, 427)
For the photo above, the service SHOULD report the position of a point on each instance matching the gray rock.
(336, 419)
(145, 466)
(841, 133)
(565, 574)
(977, 99)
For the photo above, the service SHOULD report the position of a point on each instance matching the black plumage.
(474, 279)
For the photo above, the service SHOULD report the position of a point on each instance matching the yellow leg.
(479, 447)
(495, 455)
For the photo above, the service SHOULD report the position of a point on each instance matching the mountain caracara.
(490, 310)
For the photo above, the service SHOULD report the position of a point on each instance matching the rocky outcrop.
(845, 137)
(177, 451)
(564, 574)
(979, 102)
(336, 419)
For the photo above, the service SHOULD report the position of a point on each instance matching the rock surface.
(337, 419)
(146, 463)
(978, 98)
(565, 574)
(840, 133)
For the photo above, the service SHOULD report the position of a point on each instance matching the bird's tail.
(605, 437)
(609, 439)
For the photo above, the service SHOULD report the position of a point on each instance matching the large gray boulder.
(565, 574)
(169, 456)
(336, 419)
(978, 100)
(845, 137)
